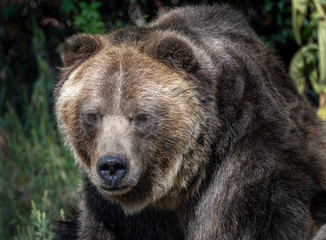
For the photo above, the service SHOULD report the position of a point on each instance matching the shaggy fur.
(217, 141)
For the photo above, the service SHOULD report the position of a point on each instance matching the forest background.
(38, 176)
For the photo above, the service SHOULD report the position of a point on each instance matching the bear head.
(132, 107)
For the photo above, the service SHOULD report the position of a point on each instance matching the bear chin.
(114, 191)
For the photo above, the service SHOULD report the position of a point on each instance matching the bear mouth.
(115, 190)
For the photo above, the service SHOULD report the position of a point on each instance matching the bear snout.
(112, 169)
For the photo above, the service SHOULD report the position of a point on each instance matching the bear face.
(130, 122)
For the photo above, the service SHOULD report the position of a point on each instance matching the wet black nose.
(112, 168)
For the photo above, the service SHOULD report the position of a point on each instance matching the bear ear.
(78, 48)
(177, 53)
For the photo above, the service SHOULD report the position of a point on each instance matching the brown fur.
(211, 127)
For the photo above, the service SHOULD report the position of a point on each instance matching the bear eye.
(140, 118)
(92, 118)
(140, 121)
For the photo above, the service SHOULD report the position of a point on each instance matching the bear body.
(188, 128)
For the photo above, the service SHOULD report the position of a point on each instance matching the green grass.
(37, 174)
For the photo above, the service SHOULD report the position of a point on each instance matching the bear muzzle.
(112, 169)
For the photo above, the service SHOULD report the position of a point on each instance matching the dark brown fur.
(219, 144)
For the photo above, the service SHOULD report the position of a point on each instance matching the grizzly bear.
(188, 128)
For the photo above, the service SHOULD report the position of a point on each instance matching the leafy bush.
(89, 20)
(308, 65)
(277, 23)
(38, 228)
(35, 161)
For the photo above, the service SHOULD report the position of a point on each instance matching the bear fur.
(212, 139)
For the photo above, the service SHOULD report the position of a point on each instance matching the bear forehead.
(128, 69)
(117, 75)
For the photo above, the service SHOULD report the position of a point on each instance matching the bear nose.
(112, 168)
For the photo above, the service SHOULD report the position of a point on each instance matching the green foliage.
(308, 65)
(299, 11)
(67, 7)
(34, 160)
(322, 50)
(87, 16)
(277, 13)
(38, 228)
(305, 59)
(89, 20)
